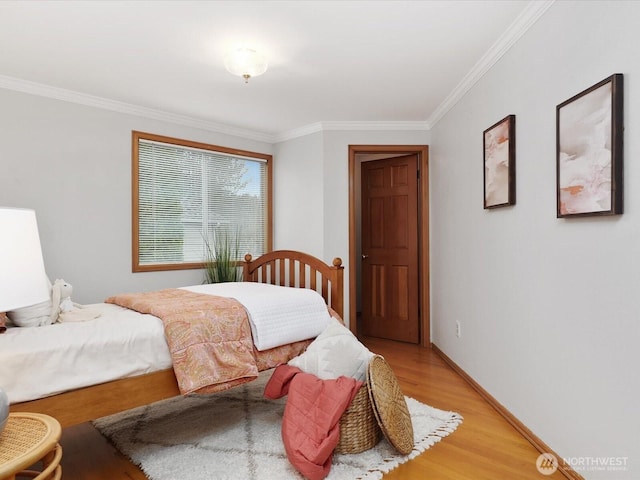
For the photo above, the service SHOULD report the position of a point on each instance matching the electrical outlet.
(458, 329)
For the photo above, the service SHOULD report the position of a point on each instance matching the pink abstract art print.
(589, 151)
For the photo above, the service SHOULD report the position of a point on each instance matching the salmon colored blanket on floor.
(209, 337)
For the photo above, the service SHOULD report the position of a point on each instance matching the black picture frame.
(589, 151)
(499, 161)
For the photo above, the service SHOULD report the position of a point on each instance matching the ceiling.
(330, 62)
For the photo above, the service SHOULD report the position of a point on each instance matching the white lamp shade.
(245, 62)
(23, 280)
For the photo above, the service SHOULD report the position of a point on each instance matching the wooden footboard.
(283, 267)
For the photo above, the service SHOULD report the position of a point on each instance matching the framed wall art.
(499, 142)
(589, 141)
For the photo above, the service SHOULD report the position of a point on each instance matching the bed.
(283, 267)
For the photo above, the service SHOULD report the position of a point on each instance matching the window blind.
(189, 196)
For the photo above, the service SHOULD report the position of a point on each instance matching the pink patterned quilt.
(209, 338)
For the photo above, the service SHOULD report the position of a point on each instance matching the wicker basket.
(389, 405)
(359, 429)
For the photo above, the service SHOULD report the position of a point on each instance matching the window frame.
(136, 136)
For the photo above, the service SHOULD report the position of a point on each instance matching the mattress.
(37, 362)
(65, 356)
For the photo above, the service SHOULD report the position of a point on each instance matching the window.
(185, 193)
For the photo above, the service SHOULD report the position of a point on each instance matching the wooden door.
(390, 289)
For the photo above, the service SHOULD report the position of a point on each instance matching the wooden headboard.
(300, 270)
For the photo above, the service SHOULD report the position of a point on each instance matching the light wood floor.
(483, 447)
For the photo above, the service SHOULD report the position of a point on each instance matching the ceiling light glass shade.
(246, 63)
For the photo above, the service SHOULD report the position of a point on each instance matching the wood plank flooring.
(484, 447)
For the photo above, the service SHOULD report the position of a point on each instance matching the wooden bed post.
(246, 268)
(337, 287)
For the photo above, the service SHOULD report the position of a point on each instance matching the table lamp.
(23, 280)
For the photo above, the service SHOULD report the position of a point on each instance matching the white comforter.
(277, 315)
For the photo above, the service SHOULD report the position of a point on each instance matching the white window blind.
(188, 196)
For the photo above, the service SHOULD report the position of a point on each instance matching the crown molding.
(389, 125)
(298, 132)
(56, 93)
(62, 94)
(350, 126)
(517, 29)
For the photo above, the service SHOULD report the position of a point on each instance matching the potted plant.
(221, 258)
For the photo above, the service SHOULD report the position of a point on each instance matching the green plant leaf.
(222, 256)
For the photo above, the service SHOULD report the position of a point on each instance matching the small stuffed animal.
(60, 299)
(58, 308)
(63, 309)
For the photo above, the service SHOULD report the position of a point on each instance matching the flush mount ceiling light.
(246, 63)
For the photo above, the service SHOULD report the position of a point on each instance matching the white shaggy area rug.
(235, 435)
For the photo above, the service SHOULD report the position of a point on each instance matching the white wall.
(298, 195)
(72, 164)
(549, 307)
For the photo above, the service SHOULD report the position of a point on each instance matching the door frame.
(423, 231)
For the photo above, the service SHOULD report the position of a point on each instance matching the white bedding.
(36, 362)
(277, 315)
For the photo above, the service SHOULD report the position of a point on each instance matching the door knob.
(364, 257)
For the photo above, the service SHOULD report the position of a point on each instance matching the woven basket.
(359, 429)
(389, 405)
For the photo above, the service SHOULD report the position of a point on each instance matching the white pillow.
(335, 352)
(33, 316)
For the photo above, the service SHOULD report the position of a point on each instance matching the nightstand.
(29, 439)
